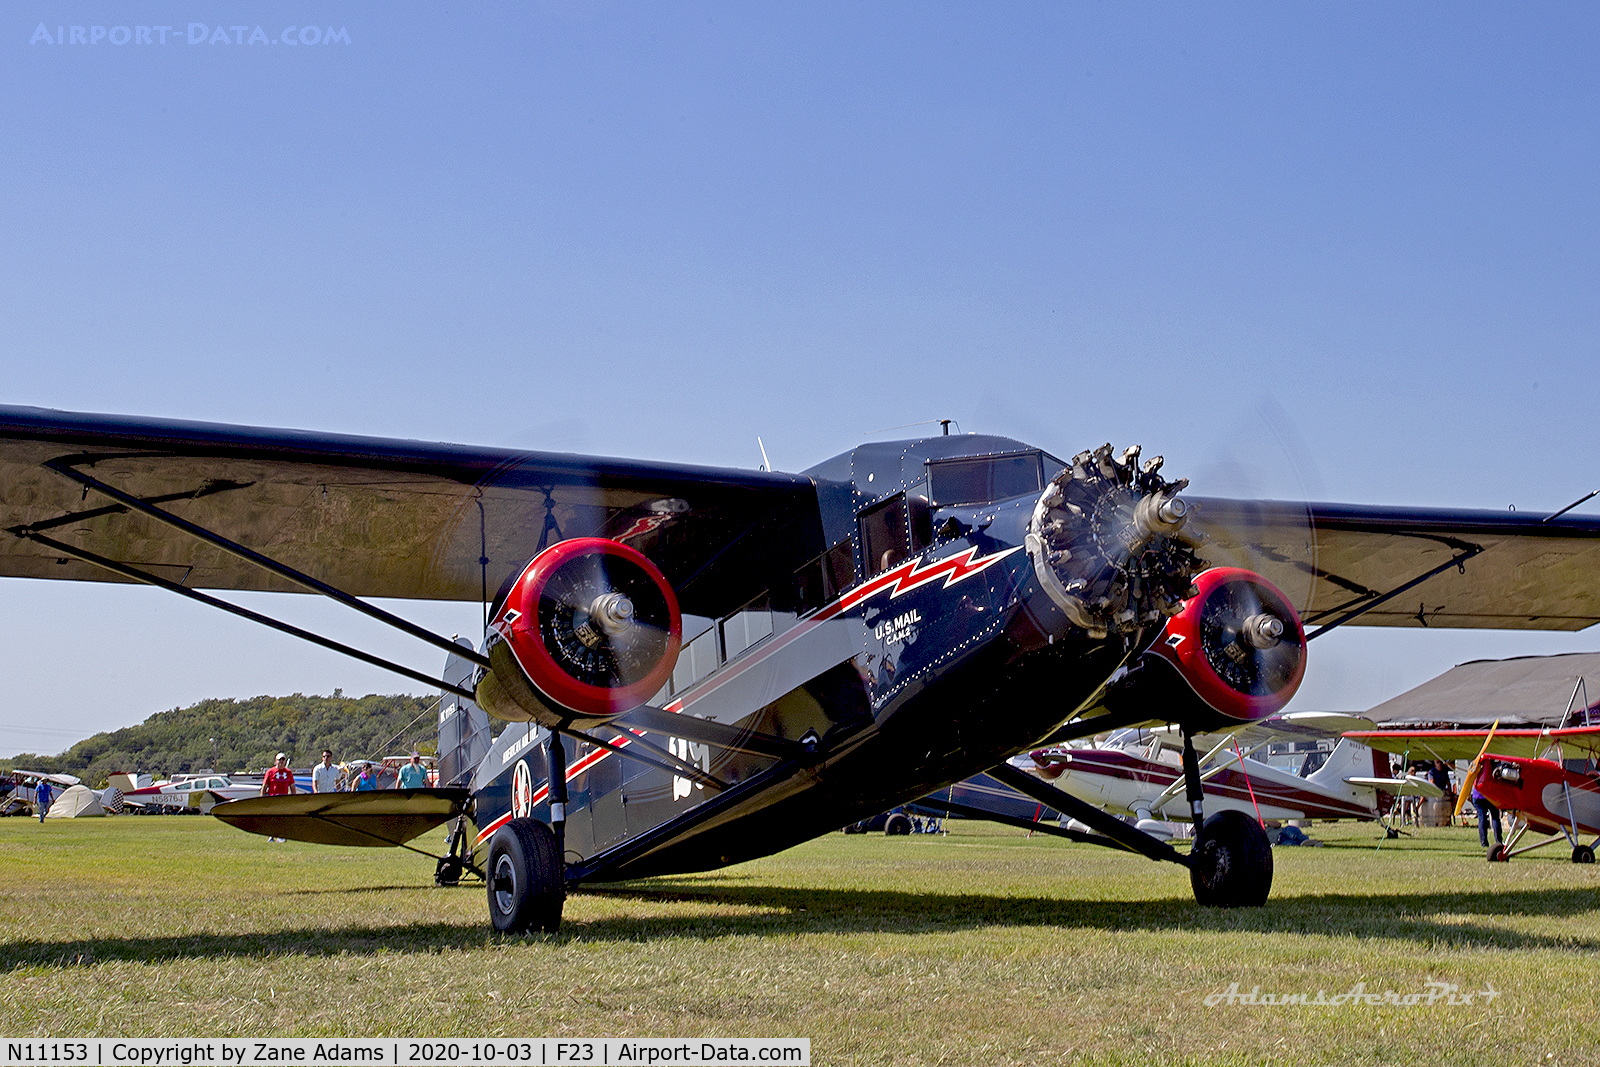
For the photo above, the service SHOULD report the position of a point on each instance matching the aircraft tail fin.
(1349, 759)
(463, 726)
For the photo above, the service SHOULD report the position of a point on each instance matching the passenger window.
(841, 565)
(810, 589)
(744, 628)
(885, 534)
(698, 659)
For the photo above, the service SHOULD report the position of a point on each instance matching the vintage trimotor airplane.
(710, 665)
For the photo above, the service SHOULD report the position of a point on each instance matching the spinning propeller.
(591, 626)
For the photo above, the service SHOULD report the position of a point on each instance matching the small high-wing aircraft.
(1521, 771)
(711, 665)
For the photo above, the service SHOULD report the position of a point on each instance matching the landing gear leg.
(557, 762)
(1230, 865)
(457, 857)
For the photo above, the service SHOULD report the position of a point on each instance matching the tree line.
(249, 733)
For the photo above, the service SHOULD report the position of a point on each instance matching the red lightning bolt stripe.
(911, 575)
(901, 580)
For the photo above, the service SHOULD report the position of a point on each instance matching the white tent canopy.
(79, 802)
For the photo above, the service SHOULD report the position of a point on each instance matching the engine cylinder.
(590, 629)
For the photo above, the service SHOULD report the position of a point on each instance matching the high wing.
(377, 518)
(1450, 745)
(1480, 569)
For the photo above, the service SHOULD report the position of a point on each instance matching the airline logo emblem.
(522, 790)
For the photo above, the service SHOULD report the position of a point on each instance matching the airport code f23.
(194, 33)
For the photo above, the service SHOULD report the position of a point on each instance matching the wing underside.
(1494, 570)
(1450, 745)
(377, 518)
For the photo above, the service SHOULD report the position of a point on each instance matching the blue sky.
(1336, 251)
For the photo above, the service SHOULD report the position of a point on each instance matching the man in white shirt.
(326, 777)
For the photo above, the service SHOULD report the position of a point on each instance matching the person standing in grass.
(41, 798)
(367, 779)
(279, 782)
(1486, 811)
(413, 775)
(327, 776)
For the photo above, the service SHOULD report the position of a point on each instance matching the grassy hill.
(249, 733)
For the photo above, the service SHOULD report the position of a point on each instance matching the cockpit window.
(979, 481)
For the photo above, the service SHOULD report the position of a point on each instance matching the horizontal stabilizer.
(1412, 785)
(372, 819)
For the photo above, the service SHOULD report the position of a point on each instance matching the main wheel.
(897, 826)
(1232, 867)
(1497, 854)
(527, 878)
(1582, 854)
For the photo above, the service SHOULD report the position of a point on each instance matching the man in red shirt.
(279, 782)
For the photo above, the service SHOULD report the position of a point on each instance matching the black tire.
(526, 877)
(1497, 854)
(852, 828)
(1582, 854)
(897, 826)
(1232, 867)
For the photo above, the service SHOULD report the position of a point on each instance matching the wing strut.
(67, 469)
(1086, 813)
(1464, 553)
(668, 762)
(245, 613)
(710, 732)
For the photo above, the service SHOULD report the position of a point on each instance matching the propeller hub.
(610, 615)
(1263, 630)
(1160, 515)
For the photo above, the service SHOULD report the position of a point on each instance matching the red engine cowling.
(589, 629)
(1239, 645)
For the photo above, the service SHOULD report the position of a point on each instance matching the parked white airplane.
(1143, 777)
(202, 791)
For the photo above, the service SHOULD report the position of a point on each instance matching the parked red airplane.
(1510, 769)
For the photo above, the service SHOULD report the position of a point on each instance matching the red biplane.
(702, 666)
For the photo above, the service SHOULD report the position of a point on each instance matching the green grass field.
(982, 947)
